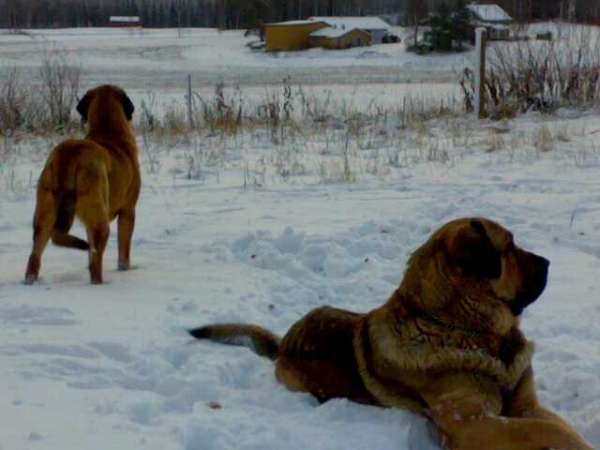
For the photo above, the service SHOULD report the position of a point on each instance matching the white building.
(493, 18)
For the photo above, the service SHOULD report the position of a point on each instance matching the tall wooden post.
(480, 40)
(188, 99)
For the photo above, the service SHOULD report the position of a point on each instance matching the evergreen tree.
(460, 20)
(449, 28)
(173, 16)
(441, 28)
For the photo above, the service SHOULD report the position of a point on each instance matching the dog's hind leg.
(98, 237)
(98, 230)
(92, 210)
(126, 225)
(44, 219)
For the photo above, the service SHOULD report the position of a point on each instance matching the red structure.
(124, 21)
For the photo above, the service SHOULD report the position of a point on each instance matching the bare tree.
(59, 86)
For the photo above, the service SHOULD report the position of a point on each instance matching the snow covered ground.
(159, 58)
(85, 367)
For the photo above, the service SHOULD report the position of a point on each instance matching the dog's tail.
(57, 190)
(65, 214)
(261, 341)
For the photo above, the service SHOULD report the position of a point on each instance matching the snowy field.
(85, 367)
(160, 61)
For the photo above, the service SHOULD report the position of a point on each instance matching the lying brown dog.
(447, 344)
(94, 179)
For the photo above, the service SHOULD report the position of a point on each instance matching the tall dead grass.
(43, 106)
(540, 75)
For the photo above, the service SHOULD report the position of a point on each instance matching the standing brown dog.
(447, 344)
(94, 179)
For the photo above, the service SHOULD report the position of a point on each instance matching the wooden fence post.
(481, 41)
(190, 109)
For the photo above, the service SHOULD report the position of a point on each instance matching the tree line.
(252, 13)
(522, 11)
(187, 13)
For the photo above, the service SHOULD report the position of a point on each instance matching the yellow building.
(338, 38)
(292, 35)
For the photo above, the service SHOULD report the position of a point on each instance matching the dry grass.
(59, 86)
(43, 107)
(542, 139)
(562, 133)
(539, 76)
(494, 143)
(296, 135)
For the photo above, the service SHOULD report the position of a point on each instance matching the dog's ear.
(83, 106)
(128, 107)
(474, 253)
